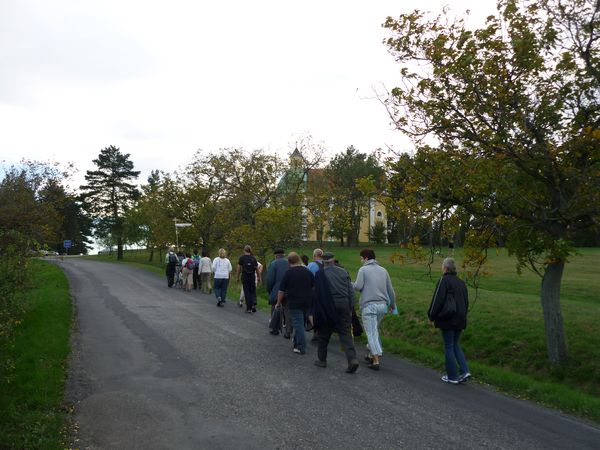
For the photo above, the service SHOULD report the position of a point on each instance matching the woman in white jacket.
(221, 267)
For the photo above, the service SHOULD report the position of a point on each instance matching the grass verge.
(33, 373)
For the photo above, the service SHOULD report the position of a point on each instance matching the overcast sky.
(161, 79)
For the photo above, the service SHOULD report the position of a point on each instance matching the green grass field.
(33, 365)
(505, 341)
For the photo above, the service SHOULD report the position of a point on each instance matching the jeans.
(324, 334)
(220, 287)
(372, 315)
(298, 321)
(453, 353)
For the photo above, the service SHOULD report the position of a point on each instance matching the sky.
(161, 80)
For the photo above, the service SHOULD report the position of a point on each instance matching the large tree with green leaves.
(349, 172)
(506, 122)
(109, 193)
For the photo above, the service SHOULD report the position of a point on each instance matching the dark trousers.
(249, 286)
(287, 316)
(170, 274)
(196, 277)
(345, 332)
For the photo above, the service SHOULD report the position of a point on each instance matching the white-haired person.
(448, 312)
(221, 267)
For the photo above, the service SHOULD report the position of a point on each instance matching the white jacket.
(221, 267)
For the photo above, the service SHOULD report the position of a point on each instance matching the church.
(315, 222)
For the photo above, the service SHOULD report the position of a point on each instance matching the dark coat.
(450, 284)
(275, 273)
(324, 306)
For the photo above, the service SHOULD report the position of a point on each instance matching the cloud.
(46, 44)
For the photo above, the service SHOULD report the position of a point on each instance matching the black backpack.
(172, 258)
(250, 265)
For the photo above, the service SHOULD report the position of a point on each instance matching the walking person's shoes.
(298, 351)
(287, 335)
(373, 366)
(218, 301)
(240, 304)
(464, 377)
(445, 379)
(253, 310)
(352, 366)
(274, 332)
(320, 363)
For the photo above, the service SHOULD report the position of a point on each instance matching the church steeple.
(296, 158)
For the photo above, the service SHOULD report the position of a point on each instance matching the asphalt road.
(158, 368)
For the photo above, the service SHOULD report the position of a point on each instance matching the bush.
(377, 233)
(14, 248)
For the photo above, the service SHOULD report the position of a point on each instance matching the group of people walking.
(320, 296)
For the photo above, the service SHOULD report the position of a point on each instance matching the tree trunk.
(119, 248)
(550, 298)
(151, 257)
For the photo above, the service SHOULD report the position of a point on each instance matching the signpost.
(67, 244)
(177, 226)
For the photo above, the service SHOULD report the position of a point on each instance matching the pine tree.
(109, 194)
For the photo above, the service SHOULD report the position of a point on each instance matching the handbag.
(275, 323)
(357, 328)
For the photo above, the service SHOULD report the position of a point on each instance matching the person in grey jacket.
(376, 298)
(275, 272)
(334, 302)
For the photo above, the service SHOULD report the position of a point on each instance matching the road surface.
(159, 368)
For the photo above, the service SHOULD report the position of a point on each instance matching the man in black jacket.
(448, 311)
(296, 286)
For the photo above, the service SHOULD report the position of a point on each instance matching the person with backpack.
(448, 311)
(195, 274)
(171, 262)
(334, 303)
(221, 267)
(187, 270)
(259, 269)
(250, 275)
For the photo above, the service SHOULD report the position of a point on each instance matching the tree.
(109, 194)
(511, 114)
(351, 201)
(34, 202)
(237, 185)
(71, 222)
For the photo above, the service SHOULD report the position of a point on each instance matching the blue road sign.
(67, 244)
